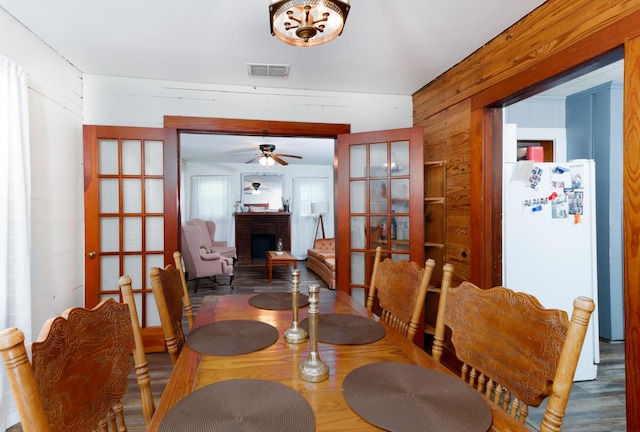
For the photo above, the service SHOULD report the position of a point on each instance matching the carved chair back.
(78, 371)
(397, 292)
(513, 351)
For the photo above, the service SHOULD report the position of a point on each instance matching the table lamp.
(319, 208)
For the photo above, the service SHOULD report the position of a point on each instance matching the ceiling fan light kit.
(266, 161)
(268, 156)
(307, 23)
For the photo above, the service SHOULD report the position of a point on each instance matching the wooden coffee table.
(284, 258)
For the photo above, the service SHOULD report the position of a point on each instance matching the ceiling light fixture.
(256, 188)
(266, 161)
(308, 22)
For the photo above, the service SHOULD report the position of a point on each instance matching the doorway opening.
(587, 113)
(177, 127)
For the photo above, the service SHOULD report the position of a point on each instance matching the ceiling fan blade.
(243, 154)
(288, 155)
(280, 161)
(254, 159)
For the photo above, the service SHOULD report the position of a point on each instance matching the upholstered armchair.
(208, 229)
(199, 262)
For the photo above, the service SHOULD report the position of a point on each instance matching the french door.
(131, 214)
(380, 192)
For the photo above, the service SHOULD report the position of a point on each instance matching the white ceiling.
(321, 151)
(240, 149)
(386, 47)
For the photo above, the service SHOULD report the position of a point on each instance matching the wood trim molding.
(631, 223)
(255, 127)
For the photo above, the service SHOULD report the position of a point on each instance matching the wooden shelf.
(434, 200)
(434, 245)
(434, 233)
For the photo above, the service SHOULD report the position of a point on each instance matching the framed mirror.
(262, 190)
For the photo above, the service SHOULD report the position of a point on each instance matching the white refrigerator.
(549, 240)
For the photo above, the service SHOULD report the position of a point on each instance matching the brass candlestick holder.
(295, 334)
(313, 369)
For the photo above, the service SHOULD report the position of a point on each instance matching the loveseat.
(322, 260)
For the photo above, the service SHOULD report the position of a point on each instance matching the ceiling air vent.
(268, 70)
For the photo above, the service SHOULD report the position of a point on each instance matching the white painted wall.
(62, 99)
(138, 102)
(290, 172)
(55, 117)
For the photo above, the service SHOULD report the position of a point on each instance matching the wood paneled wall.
(447, 138)
(461, 126)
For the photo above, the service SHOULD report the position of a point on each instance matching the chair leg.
(231, 280)
(195, 289)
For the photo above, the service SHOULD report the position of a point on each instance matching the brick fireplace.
(254, 225)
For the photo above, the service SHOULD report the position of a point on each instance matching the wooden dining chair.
(397, 292)
(513, 351)
(78, 371)
(186, 300)
(139, 355)
(169, 292)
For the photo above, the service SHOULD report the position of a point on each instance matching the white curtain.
(210, 200)
(307, 190)
(15, 217)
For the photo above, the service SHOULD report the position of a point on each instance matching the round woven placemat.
(241, 405)
(277, 300)
(346, 329)
(401, 397)
(232, 337)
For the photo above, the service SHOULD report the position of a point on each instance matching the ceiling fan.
(268, 157)
(254, 189)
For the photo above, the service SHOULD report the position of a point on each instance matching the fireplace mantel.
(258, 223)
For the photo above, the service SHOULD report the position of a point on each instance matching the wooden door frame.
(486, 175)
(174, 125)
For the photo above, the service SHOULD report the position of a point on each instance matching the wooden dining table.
(280, 362)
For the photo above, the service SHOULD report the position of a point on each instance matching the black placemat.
(402, 397)
(232, 337)
(277, 300)
(241, 405)
(346, 329)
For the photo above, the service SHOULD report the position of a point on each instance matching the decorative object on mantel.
(295, 334)
(285, 204)
(307, 23)
(313, 369)
(319, 208)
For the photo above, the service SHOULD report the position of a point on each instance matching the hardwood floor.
(594, 406)
(599, 405)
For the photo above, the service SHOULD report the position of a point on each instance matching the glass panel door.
(126, 219)
(383, 168)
